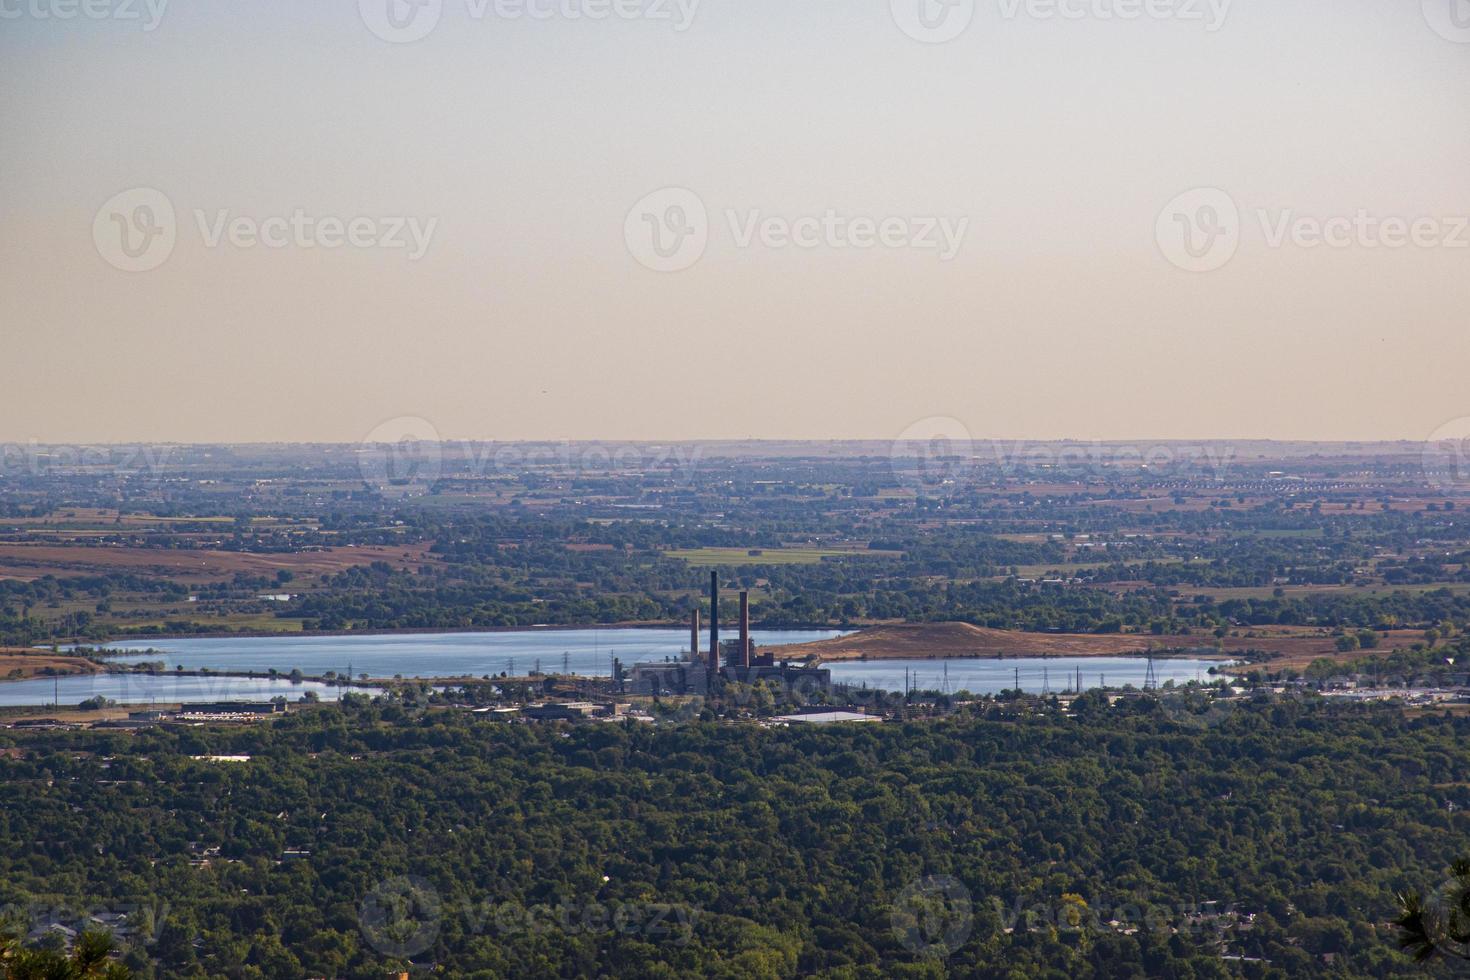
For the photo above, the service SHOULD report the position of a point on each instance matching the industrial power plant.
(704, 673)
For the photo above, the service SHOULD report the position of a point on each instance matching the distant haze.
(497, 289)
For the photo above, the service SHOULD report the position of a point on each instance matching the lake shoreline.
(426, 631)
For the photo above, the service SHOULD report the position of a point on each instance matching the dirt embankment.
(957, 640)
(953, 640)
(19, 665)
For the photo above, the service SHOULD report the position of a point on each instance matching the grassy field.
(253, 623)
(773, 556)
(1064, 568)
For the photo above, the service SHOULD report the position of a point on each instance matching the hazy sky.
(1047, 142)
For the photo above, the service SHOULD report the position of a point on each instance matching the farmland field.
(32, 561)
(774, 556)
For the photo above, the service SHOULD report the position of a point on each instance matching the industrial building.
(742, 663)
(827, 718)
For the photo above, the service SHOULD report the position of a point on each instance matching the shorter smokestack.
(714, 621)
(742, 658)
(694, 636)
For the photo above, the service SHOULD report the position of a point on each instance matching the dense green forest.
(1126, 841)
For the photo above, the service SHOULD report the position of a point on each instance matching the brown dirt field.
(1296, 648)
(912, 641)
(31, 664)
(1298, 653)
(31, 561)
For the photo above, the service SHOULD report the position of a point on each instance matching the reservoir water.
(581, 651)
(585, 652)
(1035, 674)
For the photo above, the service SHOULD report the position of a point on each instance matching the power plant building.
(700, 674)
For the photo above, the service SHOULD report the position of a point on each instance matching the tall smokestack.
(694, 636)
(714, 621)
(743, 657)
